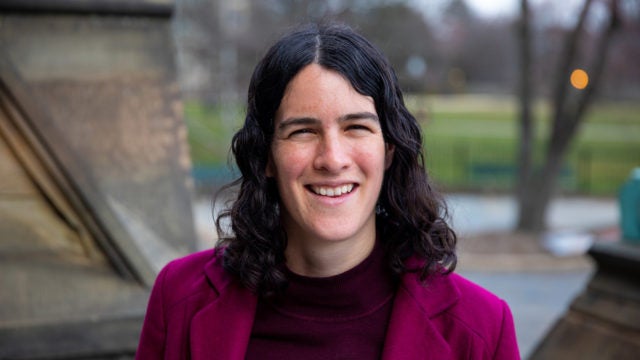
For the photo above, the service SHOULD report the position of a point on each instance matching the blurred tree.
(477, 53)
(197, 38)
(404, 36)
(525, 151)
(458, 10)
(457, 28)
(220, 41)
(623, 72)
(536, 188)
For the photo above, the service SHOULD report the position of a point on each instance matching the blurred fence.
(588, 169)
(471, 144)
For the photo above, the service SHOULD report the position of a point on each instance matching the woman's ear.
(388, 154)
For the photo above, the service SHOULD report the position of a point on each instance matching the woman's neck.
(327, 258)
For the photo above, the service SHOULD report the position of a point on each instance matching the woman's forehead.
(316, 89)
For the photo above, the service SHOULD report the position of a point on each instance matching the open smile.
(331, 191)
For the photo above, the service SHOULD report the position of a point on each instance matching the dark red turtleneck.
(339, 317)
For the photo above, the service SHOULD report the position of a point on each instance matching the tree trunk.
(526, 127)
(568, 115)
(542, 186)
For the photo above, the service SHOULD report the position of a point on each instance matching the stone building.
(95, 193)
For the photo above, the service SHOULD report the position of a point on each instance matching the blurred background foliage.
(458, 69)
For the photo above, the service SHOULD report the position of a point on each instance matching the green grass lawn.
(471, 141)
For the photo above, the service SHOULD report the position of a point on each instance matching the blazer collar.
(223, 325)
(411, 333)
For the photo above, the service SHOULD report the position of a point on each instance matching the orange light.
(579, 79)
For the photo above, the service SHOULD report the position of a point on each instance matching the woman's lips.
(332, 191)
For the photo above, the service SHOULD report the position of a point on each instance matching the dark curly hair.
(410, 213)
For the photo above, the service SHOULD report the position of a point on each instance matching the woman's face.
(328, 159)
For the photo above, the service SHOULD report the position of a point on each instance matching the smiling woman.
(340, 248)
(328, 138)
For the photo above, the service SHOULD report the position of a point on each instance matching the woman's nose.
(332, 155)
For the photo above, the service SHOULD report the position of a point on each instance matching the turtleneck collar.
(352, 294)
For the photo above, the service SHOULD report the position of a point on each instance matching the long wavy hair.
(410, 213)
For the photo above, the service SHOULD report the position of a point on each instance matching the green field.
(470, 142)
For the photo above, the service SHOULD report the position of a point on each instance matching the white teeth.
(332, 192)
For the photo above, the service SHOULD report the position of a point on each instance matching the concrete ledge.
(513, 252)
(520, 262)
(603, 322)
(90, 339)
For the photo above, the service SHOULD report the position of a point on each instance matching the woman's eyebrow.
(297, 121)
(358, 116)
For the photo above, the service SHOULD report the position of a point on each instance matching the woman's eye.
(300, 132)
(358, 128)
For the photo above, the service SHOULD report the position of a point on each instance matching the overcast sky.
(493, 8)
(485, 8)
(559, 11)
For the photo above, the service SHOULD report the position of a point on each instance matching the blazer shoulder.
(485, 314)
(190, 265)
(469, 317)
(476, 306)
(184, 277)
(475, 296)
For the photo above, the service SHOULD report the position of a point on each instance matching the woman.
(339, 249)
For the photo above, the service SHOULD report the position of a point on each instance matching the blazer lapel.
(411, 333)
(221, 330)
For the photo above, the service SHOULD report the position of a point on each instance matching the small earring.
(380, 210)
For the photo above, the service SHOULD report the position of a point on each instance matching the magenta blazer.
(197, 311)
